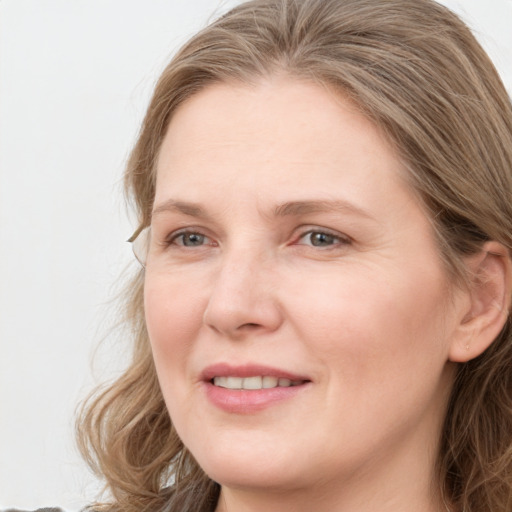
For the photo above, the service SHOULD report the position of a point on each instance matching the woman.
(321, 317)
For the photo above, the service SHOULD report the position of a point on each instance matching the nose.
(244, 298)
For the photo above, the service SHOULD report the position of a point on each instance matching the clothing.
(46, 509)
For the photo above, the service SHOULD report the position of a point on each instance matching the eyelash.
(173, 237)
(336, 238)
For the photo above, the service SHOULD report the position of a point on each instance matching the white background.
(75, 78)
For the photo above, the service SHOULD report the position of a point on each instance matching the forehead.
(281, 137)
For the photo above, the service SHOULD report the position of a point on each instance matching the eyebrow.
(190, 209)
(291, 208)
(295, 208)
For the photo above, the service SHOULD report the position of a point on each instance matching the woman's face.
(289, 255)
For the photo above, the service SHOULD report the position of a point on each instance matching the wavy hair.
(413, 68)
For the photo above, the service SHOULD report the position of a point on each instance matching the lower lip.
(243, 401)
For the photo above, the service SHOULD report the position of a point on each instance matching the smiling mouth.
(254, 383)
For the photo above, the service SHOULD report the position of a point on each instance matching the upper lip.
(248, 370)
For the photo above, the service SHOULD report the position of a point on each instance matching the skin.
(370, 317)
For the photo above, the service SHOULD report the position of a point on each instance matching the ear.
(488, 306)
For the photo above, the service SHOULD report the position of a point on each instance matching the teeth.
(256, 382)
(234, 382)
(252, 383)
(270, 382)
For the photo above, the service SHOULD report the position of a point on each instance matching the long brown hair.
(415, 69)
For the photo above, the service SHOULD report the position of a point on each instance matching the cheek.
(380, 347)
(371, 326)
(173, 318)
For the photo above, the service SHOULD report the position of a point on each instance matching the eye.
(189, 239)
(317, 238)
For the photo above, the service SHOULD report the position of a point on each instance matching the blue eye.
(322, 239)
(190, 239)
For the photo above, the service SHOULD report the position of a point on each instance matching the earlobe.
(489, 302)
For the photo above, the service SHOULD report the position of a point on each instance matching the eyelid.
(175, 235)
(169, 238)
(301, 232)
(307, 230)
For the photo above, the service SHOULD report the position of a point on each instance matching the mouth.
(250, 377)
(255, 382)
(250, 388)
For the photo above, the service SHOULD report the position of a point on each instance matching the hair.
(414, 69)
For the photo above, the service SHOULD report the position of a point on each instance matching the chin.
(236, 467)
(255, 475)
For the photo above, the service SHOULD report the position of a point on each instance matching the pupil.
(193, 239)
(319, 239)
